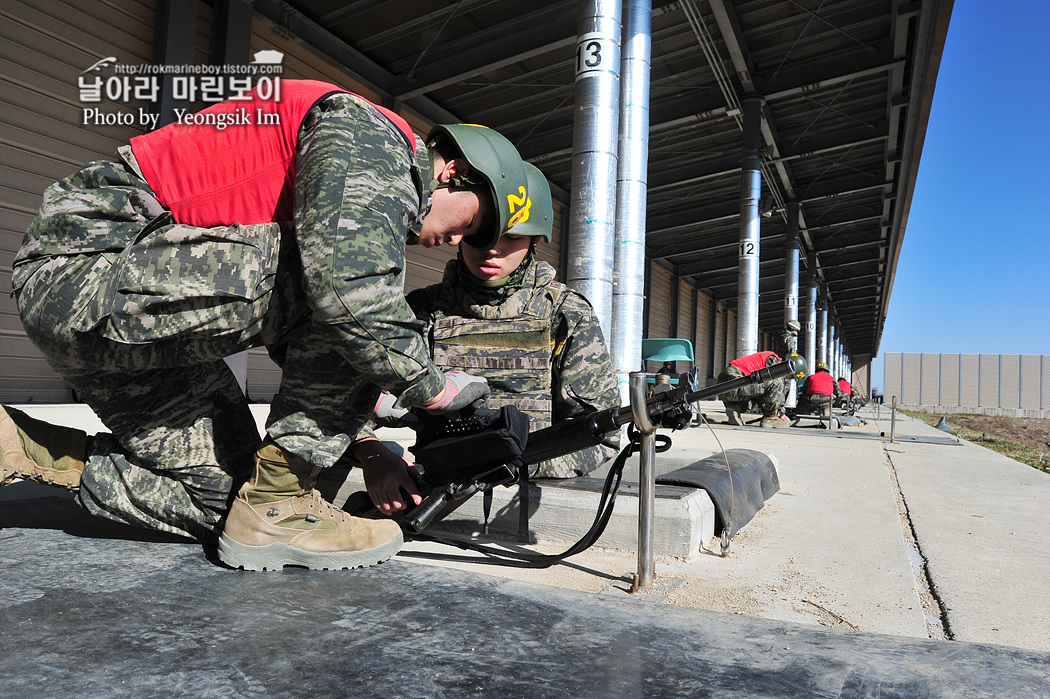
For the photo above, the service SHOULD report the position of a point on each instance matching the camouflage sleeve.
(584, 381)
(354, 199)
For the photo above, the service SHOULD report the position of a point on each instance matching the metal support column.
(791, 284)
(832, 354)
(811, 322)
(822, 333)
(592, 233)
(750, 194)
(791, 263)
(628, 294)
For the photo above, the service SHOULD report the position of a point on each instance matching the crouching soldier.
(769, 395)
(818, 392)
(139, 275)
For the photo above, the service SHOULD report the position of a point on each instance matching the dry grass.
(1020, 438)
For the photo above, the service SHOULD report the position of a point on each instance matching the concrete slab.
(980, 520)
(91, 610)
(906, 538)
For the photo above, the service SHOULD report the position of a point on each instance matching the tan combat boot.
(38, 451)
(278, 519)
(772, 421)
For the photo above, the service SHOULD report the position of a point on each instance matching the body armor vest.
(514, 356)
(243, 173)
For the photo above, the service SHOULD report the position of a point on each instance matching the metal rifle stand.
(646, 479)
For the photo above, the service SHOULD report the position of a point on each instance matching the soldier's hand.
(391, 480)
(462, 391)
(387, 413)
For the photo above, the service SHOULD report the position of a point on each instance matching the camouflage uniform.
(136, 312)
(537, 343)
(768, 396)
(787, 345)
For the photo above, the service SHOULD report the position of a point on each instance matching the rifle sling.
(526, 560)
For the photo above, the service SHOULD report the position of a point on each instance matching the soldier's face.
(499, 262)
(455, 213)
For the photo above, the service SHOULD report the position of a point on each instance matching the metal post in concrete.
(893, 419)
(811, 323)
(750, 194)
(646, 480)
(628, 300)
(592, 227)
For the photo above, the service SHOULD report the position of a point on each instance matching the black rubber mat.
(93, 610)
(738, 481)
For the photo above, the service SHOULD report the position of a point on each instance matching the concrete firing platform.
(91, 610)
(877, 545)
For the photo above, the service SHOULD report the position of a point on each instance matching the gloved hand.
(462, 390)
(387, 413)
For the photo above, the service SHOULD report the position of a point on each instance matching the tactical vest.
(820, 383)
(514, 356)
(243, 173)
(753, 362)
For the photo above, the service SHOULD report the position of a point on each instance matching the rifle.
(666, 406)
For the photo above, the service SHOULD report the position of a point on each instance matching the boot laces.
(322, 506)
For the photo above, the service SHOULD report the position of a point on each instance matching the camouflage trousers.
(140, 334)
(813, 402)
(769, 396)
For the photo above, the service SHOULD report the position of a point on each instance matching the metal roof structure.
(847, 88)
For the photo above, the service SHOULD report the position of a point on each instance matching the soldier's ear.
(457, 167)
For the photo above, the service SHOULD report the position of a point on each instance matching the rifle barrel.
(588, 430)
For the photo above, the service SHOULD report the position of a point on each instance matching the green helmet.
(821, 366)
(798, 363)
(497, 163)
(539, 217)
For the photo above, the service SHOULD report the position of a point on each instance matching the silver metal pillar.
(791, 263)
(646, 480)
(592, 231)
(822, 334)
(811, 323)
(832, 354)
(791, 286)
(750, 194)
(628, 301)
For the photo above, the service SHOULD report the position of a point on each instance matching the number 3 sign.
(596, 53)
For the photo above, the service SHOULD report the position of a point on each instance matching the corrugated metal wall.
(686, 320)
(659, 322)
(44, 46)
(702, 346)
(992, 381)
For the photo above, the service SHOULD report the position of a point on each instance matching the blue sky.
(974, 271)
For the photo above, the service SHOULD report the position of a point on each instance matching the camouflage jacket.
(537, 343)
(358, 190)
